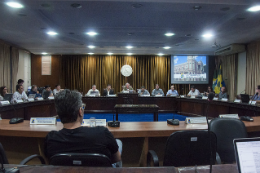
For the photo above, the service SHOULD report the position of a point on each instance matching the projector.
(113, 123)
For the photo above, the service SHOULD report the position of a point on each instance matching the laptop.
(244, 98)
(32, 96)
(8, 97)
(247, 152)
(46, 94)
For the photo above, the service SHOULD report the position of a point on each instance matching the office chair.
(81, 159)
(23, 162)
(187, 148)
(227, 129)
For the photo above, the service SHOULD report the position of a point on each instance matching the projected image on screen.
(189, 69)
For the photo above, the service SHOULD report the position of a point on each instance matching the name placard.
(42, 120)
(237, 101)
(111, 95)
(192, 97)
(173, 95)
(195, 120)
(204, 98)
(146, 95)
(252, 102)
(30, 99)
(99, 122)
(4, 103)
(158, 95)
(224, 99)
(215, 98)
(125, 91)
(51, 98)
(19, 101)
(39, 98)
(229, 116)
(182, 96)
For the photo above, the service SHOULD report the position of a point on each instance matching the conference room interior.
(88, 42)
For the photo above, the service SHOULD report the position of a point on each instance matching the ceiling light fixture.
(91, 46)
(92, 33)
(52, 33)
(129, 47)
(109, 53)
(44, 53)
(207, 35)
(90, 53)
(254, 8)
(129, 54)
(14, 4)
(160, 54)
(166, 47)
(169, 34)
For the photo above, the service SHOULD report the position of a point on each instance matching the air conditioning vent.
(231, 49)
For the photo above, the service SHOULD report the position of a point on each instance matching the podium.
(127, 98)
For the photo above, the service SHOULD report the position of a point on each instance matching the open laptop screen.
(247, 152)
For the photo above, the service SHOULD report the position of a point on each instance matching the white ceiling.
(119, 24)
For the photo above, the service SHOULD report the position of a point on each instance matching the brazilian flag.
(218, 80)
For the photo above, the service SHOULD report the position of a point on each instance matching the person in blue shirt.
(34, 91)
(256, 97)
(172, 92)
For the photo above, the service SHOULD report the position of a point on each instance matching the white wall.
(241, 73)
(24, 68)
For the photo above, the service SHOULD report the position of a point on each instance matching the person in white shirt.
(19, 94)
(57, 89)
(93, 91)
(193, 91)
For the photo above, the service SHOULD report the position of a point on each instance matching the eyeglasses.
(83, 106)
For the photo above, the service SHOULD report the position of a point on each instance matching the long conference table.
(182, 106)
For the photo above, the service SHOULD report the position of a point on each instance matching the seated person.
(108, 91)
(256, 97)
(3, 91)
(209, 91)
(47, 92)
(143, 91)
(93, 91)
(74, 138)
(57, 89)
(172, 92)
(157, 91)
(34, 91)
(222, 93)
(19, 94)
(193, 92)
(127, 87)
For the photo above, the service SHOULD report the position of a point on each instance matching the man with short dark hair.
(157, 91)
(108, 91)
(193, 91)
(222, 93)
(143, 91)
(48, 90)
(74, 138)
(34, 91)
(20, 82)
(19, 94)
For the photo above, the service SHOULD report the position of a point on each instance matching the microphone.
(16, 119)
(113, 123)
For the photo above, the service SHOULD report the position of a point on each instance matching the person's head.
(57, 87)
(48, 88)
(94, 87)
(19, 88)
(3, 91)
(108, 87)
(211, 96)
(127, 85)
(223, 89)
(68, 105)
(192, 88)
(209, 89)
(34, 88)
(172, 87)
(20, 82)
(142, 88)
(157, 86)
(258, 89)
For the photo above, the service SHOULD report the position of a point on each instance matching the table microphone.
(113, 123)
(16, 119)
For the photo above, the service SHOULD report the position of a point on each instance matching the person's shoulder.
(52, 134)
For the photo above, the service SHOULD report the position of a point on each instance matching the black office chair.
(81, 159)
(187, 148)
(23, 162)
(227, 129)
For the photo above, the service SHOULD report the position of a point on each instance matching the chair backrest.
(227, 129)
(189, 148)
(3, 157)
(81, 159)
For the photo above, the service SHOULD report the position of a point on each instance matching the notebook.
(247, 152)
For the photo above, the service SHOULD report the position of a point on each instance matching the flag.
(218, 80)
